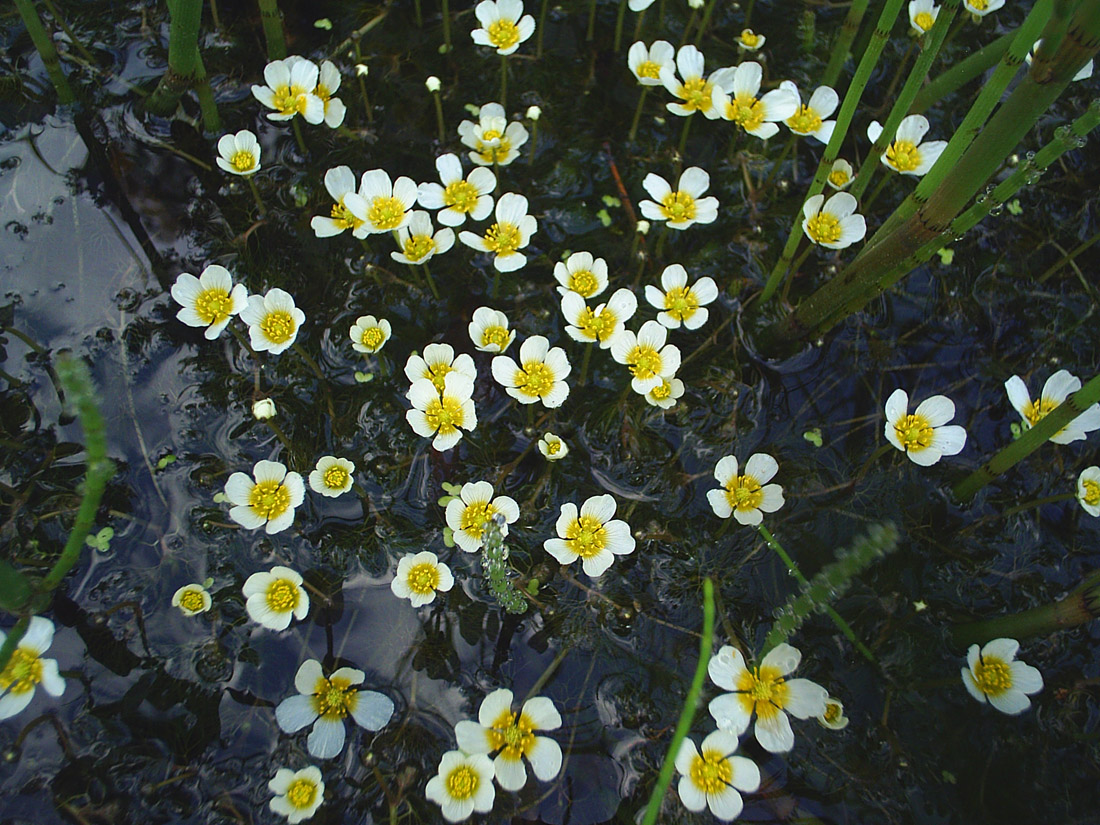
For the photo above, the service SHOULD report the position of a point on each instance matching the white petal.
(326, 740)
(372, 710)
(294, 713)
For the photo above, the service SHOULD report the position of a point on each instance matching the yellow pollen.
(823, 228)
(749, 38)
(535, 379)
(503, 34)
(242, 161)
(213, 305)
(513, 737)
(290, 100)
(438, 374)
(763, 690)
(924, 21)
(554, 447)
(418, 247)
(192, 601)
(462, 782)
(583, 282)
(495, 336)
(597, 326)
(444, 414)
(914, 432)
(1035, 412)
(644, 361)
(903, 155)
(423, 578)
(586, 536)
(1092, 492)
(980, 5)
(503, 238)
(460, 196)
(744, 493)
(333, 699)
(696, 94)
(24, 670)
(710, 771)
(335, 477)
(832, 712)
(373, 338)
(494, 146)
(805, 121)
(386, 212)
(301, 793)
(474, 517)
(278, 326)
(661, 391)
(746, 111)
(993, 676)
(681, 303)
(649, 69)
(343, 216)
(839, 178)
(282, 595)
(269, 499)
(678, 207)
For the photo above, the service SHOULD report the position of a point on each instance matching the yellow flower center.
(282, 595)
(746, 111)
(832, 712)
(1092, 492)
(192, 601)
(438, 373)
(535, 379)
(335, 477)
(744, 493)
(475, 516)
(495, 336)
(213, 305)
(554, 447)
(749, 38)
(373, 338)
(583, 282)
(278, 326)
(980, 5)
(343, 216)
(924, 20)
(586, 536)
(301, 794)
(386, 212)
(494, 146)
(710, 771)
(1036, 412)
(503, 238)
(681, 303)
(444, 414)
(649, 69)
(269, 499)
(696, 93)
(503, 34)
(597, 326)
(993, 675)
(823, 228)
(914, 432)
(333, 699)
(423, 578)
(462, 782)
(514, 737)
(418, 247)
(23, 671)
(678, 207)
(242, 161)
(805, 121)
(290, 100)
(460, 196)
(839, 178)
(762, 689)
(903, 155)
(644, 361)
(661, 391)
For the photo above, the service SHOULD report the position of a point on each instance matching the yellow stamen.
(681, 303)
(282, 595)
(418, 247)
(823, 228)
(269, 499)
(386, 212)
(805, 121)
(242, 161)
(534, 379)
(462, 782)
(444, 414)
(460, 196)
(333, 699)
(24, 670)
(649, 69)
(503, 238)
(474, 517)
(503, 34)
(710, 771)
(335, 477)
(644, 361)
(192, 601)
(423, 578)
(746, 111)
(301, 793)
(586, 536)
(678, 207)
(914, 432)
(213, 305)
(513, 737)
(903, 155)
(373, 338)
(278, 326)
(583, 282)
(1092, 492)
(495, 336)
(993, 675)
(744, 493)
(696, 94)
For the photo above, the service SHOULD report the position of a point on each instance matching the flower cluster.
(297, 86)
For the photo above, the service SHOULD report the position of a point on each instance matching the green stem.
(211, 120)
(843, 43)
(299, 139)
(439, 116)
(1038, 502)
(591, 21)
(504, 81)
(447, 27)
(687, 27)
(637, 115)
(43, 43)
(419, 16)
(52, 9)
(534, 141)
(584, 363)
(541, 27)
(682, 147)
(313, 365)
(273, 29)
(707, 12)
(431, 281)
(619, 25)
(183, 57)
(256, 195)
(961, 73)
(638, 25)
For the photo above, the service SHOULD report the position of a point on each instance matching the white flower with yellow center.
(326, 702)
(750, 41)
(419, 577)
(833, 224)
(442, 416)
(267, 499)
(923, 435)
(540, 375)
(475, 506)
(765, 692)
(666, 394)
(840, 176)
(680, 303)
(419, 241)
(489, 330)
(833, 717)
(553, 448)
(340, 183)
(601, 325)
(647, 355)
(922, 14)
(274, 598)
(1088, 490)
(592, 535)
(209, 300)
(239, 154)
(464, 784)
(437, 361)
(332, 476)
(192, 599)
(458, 197)
(992, 675)
(298, 794)
(26, 669)
(746, 496)
(711, 775)
(1060, 386)
(512, 737)
(383, 206)
(695, 91)
(906, 154)
(273, 321)
(493, 139)
(980, 8)
(369, 334)
(808, 119)
(740, 103)
(503, 25)
(646, 63)
(581, 273)
(510, 233)
(290, 90)
(684, 206)
(1084, 73)
(328, 82)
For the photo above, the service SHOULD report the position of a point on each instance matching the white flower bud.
(433, 83)
(534, 113)
(362, 69)
(642, 228)
(263, 409)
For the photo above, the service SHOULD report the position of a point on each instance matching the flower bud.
(263, 409)
(433, 83)
(534, 113)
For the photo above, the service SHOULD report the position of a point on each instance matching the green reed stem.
(591, 33)
(211, 120)
(272, 22)
(447, 27)
(619, 25)
(705, 22)
(843, 43)
(183, 57)
(418, 15)
(59, 20)
(687, 714)
(1038, 502)
(43, 43)
(637, 115)
(638, 25)
(961, 73)
(541, 26)
(256, 195)
(687, 28)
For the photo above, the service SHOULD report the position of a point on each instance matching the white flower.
(553, 448)
(646, 63)
(593, 535)
(332, 476)
(209, 300)
(840, 176)
(369, 334)
(298, 794)
(696, 93)
(1088, 490)
(1057, 389)
(445, 414)
(533, 113)
(683, 207)
(679, 303)
(712, 776)
(540, 375)
(239, 154)
(463, 785)
(907, 154)
(980, 8)
(1084, 73)
(493, 139)
(808, 119)
(273, 321)
(922, 436)
(746, 497)
(458, 197)
(327, 84)
(666, 394)
(603, 324)
(991, 675)
(650, 360)
(581, 273)
(290, 90)
(433, 84)
(489, 330)
(833, 717)
(511, 232)
(503, 25)
(419, 577)
(512, 736)
(750, 41)
(475, 506)
(765, 691)
(739, 103)
(26, 669)
(439, 360)
(192, 599)
(833, 223)
(272, 598)
(263, 409)
(325, 703)
(922, 14)
(340, 183)
(269, 500)
(382, 206)
(419, 242)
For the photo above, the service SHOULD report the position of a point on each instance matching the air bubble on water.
(996, 209)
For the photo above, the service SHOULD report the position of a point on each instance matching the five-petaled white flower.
(511, 232)
(273, 598)
(458, 197)
(290, 90)
(833, 224)
(766, 692)
(209, 300)
(646, 63)
(840, 176)
(489, 330)
(992, 675)
(809, 118)
(603, 324)
(512, 736)
(680, 303)
(298, 794)
(539, 376)
(419, 241)
(1057, 389)
(1088, 490)
(419, 577)
(711, 776)
(239, 154)
(923, 435)
(906, 154)
(369, 334)
(503, 25)
(273, 321)
(332, 476)
(26, 669)
(326, 702)
(192, 599)
(922, 14)
(581, 273)
(593, 535)
(735, 99)
(267, 499)
(750, 41)
(340, 183)
(383, 206)
(554, 449)
(748, 496)
(468, 514)
(980, 8)
(666, 394)
(442, 414)
(493, 139)
(439, 360)
(684, 206)
(647, 355)
(696, 92)
(464, 784)
(328, 82)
